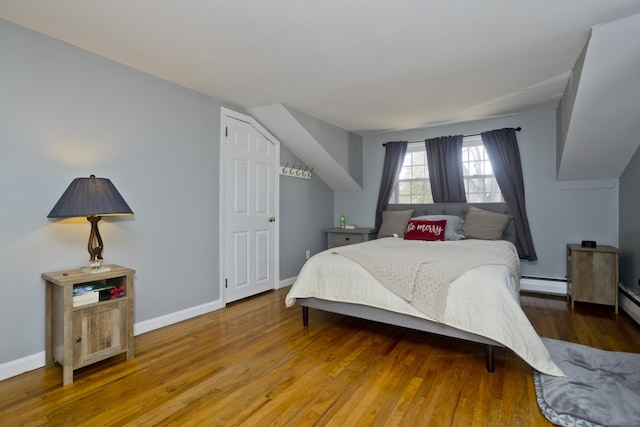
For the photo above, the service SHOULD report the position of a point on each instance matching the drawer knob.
(78, 339)
(347, 239)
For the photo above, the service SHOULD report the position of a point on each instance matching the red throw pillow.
(419, 229)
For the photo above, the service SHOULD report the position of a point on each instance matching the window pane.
(418, 172)
(404, 188)
(488, 170)
(475, 185)
(493, 190)
(475, 198)
(428, 198)
(419, 157)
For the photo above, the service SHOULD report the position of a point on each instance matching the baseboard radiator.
(629, 304)
(543, 285)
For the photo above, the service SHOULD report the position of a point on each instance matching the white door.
(249, 193)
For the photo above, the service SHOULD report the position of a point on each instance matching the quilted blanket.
(421, 272)
(600, 388)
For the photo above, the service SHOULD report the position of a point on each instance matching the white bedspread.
(483, 301)
(421, 272)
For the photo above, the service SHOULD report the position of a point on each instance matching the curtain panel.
(504, 155)
(444, 157)
(393, 159)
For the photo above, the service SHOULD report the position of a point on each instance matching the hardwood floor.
(252, 363)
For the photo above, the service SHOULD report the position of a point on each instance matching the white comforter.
(483, 301)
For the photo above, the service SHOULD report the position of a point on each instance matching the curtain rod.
(518, 129)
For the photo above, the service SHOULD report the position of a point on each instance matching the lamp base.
(95, 270)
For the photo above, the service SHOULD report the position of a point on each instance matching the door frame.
(224, 113)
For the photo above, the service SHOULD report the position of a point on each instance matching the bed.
(480, 305)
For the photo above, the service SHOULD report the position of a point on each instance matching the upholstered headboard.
(459, 209)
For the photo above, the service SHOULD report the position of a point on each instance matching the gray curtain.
(444, 157)
(504, 155)
(393, 159)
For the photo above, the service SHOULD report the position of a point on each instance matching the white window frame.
(486, 189)
(411, 173)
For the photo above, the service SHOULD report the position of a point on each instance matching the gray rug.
(601, 388)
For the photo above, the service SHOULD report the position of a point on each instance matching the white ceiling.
(373, 65)
(362, 65)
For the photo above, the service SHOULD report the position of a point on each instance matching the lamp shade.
(90, 197)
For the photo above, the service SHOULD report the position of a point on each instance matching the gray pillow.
(482, 224)
(394, 222)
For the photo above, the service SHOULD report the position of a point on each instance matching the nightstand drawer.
(341, 239)
(348, 236)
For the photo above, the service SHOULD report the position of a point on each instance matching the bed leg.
(490, 353)
(305, 316)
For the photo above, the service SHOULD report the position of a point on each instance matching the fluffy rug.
(600, 387)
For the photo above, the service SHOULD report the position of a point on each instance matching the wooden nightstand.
(77, 336)
(349, 236)
(592, 274)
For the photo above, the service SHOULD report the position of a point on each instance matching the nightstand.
(78, 334)
(349, 236)
(592, 274)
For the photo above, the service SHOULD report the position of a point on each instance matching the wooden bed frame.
(406, 321)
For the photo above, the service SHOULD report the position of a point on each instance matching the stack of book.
(90, 292)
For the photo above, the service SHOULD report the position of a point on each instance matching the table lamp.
(92, 198)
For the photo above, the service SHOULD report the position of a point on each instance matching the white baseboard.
(178, 316)
(629, 307)
(287, 282)
(543, 286)
(22, 365)
(35, 361)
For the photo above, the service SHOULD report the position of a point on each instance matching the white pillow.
(451, 229)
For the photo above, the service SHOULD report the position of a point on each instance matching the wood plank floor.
(252, 363)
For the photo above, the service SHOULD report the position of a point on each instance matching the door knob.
(272, 219)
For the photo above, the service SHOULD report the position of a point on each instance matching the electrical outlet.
(308, 253)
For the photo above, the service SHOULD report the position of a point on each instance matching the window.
(480, 183)
(413, 185)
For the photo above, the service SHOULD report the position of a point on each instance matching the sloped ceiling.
(603, 127)
(360, 65)
(305, 146)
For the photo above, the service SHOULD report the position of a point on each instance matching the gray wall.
(306, 207)
(630, 224)
(559, 212)
(66, 113)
